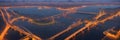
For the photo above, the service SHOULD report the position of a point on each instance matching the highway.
(71, 8)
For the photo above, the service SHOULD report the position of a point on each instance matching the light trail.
(16, 28)
(77, 23)
(9, 24)
(30, 20)
(65, 12)
(110, 35)
(91, 24)
(100, 14)
(7, 27)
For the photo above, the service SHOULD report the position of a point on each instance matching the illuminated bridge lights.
(7, 17)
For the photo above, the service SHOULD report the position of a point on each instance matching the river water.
(61, 23)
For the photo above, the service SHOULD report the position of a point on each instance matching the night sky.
(61, 0)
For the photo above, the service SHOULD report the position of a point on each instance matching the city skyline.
(60, 0)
